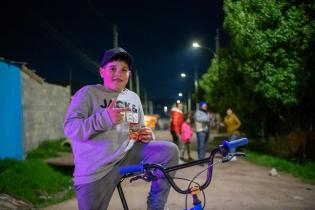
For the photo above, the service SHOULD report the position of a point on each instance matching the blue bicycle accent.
(236, 143)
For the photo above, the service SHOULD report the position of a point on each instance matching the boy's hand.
(145, 134)
(114, 113)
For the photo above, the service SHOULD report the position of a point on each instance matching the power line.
(100, 15)
(105, 20)
(54, 34)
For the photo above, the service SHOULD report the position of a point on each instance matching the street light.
(184, 75)
(188, 101)
(165, 109)
(197, 45)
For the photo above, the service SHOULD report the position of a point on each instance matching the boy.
(96, 120)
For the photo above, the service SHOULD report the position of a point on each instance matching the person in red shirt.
(177, 120)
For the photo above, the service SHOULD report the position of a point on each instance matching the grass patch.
(48, 149)
(33, 180)
(304, 171)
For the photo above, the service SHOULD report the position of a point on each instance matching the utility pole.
(146, 102)
(151, 107)
(217, 42)
(115, 36)
(70, 80)
(189, 102)
(137, 83)
(217, 46)
(196, 86)
(130, 85)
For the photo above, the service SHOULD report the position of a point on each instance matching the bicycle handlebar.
(131, 169)
(236, 143)
(224, 149)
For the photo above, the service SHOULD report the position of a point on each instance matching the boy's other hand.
(145, 134)
(115, 114)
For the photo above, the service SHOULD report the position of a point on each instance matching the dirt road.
(235, 185)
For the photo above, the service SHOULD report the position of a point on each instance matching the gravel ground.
(236, 185)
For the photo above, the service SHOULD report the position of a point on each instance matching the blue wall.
(11, 118)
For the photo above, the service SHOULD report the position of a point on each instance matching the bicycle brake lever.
(149, 176)
(239, 154)
(135, 178)
(229, 156)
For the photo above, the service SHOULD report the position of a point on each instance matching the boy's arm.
(79, 123)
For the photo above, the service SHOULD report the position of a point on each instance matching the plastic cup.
(134, 129)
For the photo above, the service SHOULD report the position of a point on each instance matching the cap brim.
(124, 56)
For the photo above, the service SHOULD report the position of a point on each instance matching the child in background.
(185, 137)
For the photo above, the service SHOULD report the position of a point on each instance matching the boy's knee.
(173, 151)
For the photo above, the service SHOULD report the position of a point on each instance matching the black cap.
(116, 53)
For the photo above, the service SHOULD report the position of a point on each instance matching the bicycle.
(146, 173)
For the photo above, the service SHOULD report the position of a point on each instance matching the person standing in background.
(232, 124)
(186, 137)
(202, 124)
(177, 120)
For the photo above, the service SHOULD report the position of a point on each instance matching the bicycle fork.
(122, 196)
(197, 203)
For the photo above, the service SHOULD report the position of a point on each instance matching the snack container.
(134, 131)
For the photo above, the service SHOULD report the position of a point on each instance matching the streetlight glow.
(183, 75)
(195, 44)
(180, 94)
(178, 101)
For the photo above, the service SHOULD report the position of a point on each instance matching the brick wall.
(44, 108)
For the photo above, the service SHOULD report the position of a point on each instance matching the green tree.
(269, 64)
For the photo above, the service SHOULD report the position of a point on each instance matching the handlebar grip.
(131, 169)
(236, 143)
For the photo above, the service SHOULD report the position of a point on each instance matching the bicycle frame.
(223, 149)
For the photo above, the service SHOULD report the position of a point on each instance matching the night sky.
(59, 37)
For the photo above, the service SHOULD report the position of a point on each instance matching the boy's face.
(115, 75)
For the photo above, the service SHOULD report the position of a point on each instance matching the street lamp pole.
(189, 101)
(196, 86)
(197, 45)
(195, 80)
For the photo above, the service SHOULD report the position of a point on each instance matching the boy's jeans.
(96, 195)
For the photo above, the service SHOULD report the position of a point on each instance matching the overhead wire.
(53, 33)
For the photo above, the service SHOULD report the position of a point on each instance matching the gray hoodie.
(97, 143)
(202, 120)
